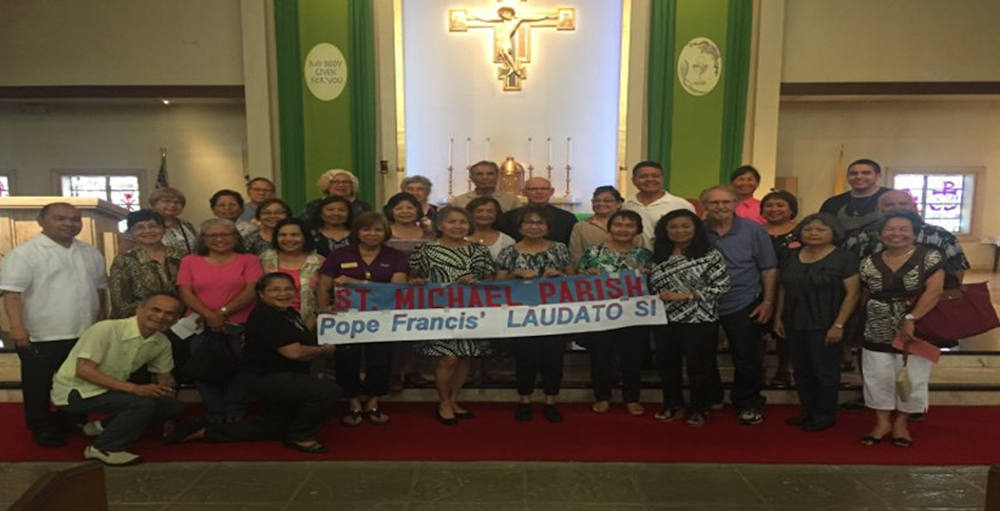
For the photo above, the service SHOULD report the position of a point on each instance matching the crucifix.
(512, 36)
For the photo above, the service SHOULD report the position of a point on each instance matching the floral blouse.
(134, 276)
(308, 278)
(609, 261)
(183, 237)
(556, 256)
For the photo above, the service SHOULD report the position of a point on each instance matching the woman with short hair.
(617, 253)
(169, 203)
(420, 187)
(149, 267)
(217, 283)
(744, 181)
(404, 214)
(531, 258)
(268, 214)
(819, 290)
(452, 258)
(689, 276)
(779, 209)
(331, 223)
(294, 407)
(594, 230)
(339, 183)
(368, 259)
(486, 212)
(228, 205)
(902, 283)
(291, 251)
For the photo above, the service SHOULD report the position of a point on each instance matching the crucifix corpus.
(512, 35)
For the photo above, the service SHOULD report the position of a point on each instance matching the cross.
(512, 36)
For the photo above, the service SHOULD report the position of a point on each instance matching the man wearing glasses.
(539, 190)
(652, 201)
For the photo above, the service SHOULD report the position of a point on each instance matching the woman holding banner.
(535, 257)
(689, 276)
(452, 258)
(366, 260)
(617, 253)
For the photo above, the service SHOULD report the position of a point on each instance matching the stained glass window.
(119, 190)
(942, 199)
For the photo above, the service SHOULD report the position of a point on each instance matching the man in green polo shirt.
(94, 378)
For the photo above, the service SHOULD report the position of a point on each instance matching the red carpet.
(964, 435)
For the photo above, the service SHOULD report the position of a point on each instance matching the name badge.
(347, 266)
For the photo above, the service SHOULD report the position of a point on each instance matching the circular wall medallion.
(699, 66)
(325, 72)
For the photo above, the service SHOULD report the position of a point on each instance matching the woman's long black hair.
(662, 246)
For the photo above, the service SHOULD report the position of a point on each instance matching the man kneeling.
(94, 378)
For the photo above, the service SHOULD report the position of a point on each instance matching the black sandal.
(353, 418)
(316, 448)
(899, 441)
(870, 440)
(375, 416)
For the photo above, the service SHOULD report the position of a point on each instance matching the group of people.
(254, 278)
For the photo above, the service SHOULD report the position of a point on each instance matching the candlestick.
(531, 158)
(569, 151)
(468, 153)
(451, 151)
(548, 162)
(486, 149)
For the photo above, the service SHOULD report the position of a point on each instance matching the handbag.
(959, 314)
(903, 384)
(213, 359)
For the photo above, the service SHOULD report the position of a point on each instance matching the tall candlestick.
(531, 158)
(468, 153)
(451, 151)
(569, 150)
(548, 163)
(486, 149)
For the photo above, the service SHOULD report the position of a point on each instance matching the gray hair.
(724, 188)
(211, 222)
(324, 181)
(415, 179)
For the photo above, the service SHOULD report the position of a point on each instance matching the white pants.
(880, 370)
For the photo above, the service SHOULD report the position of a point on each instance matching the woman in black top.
(275, 370)
(819, 290)
(780, 209)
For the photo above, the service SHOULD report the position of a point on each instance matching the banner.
(576, 288)
(515, 308)
(489, 322)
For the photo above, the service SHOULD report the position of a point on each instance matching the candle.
(451, 150)
(548, 148)
(531, 151)
(468, 152)
(486, 149)
(569, 151)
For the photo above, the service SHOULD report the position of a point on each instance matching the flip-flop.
(870, 440)
(899, 441)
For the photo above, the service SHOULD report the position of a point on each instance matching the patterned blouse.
(868, 241)
(308, 278)
(893, 293)
(326, 245)
(556, 256)
(705, 276)
(609, 261)
(182, 236)
(134, 275)
(441, 264)
(255, 244)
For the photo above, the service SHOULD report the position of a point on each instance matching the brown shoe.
(635, 409)
(600, 407)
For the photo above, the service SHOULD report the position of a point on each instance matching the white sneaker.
(93, 428)
(112, 458)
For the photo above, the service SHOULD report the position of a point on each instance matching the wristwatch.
(839, 326)
(909, 317)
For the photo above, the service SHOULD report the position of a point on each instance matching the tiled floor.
(396, 486)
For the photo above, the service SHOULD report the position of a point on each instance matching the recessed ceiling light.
(166, 101)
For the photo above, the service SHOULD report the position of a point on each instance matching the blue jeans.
(227, 401)
(817, 372)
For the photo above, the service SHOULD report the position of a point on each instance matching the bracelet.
(839, 326)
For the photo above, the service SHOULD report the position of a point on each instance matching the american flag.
(161, 175)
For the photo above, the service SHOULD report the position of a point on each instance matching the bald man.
(539, 190)
(866, 242)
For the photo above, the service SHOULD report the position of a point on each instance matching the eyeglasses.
(219, 236)
(537, 189)
(604, 201)
(267, 212)
(267, 190)
(341, 182)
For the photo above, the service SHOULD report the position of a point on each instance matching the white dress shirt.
(652, 212)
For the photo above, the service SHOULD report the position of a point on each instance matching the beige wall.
(204, 141)
(896, 133)
(120, 42)
(891, 40)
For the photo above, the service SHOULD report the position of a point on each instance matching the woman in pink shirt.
(217, 283)
(744, 182)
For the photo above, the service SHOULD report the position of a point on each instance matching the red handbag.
(960, 314)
